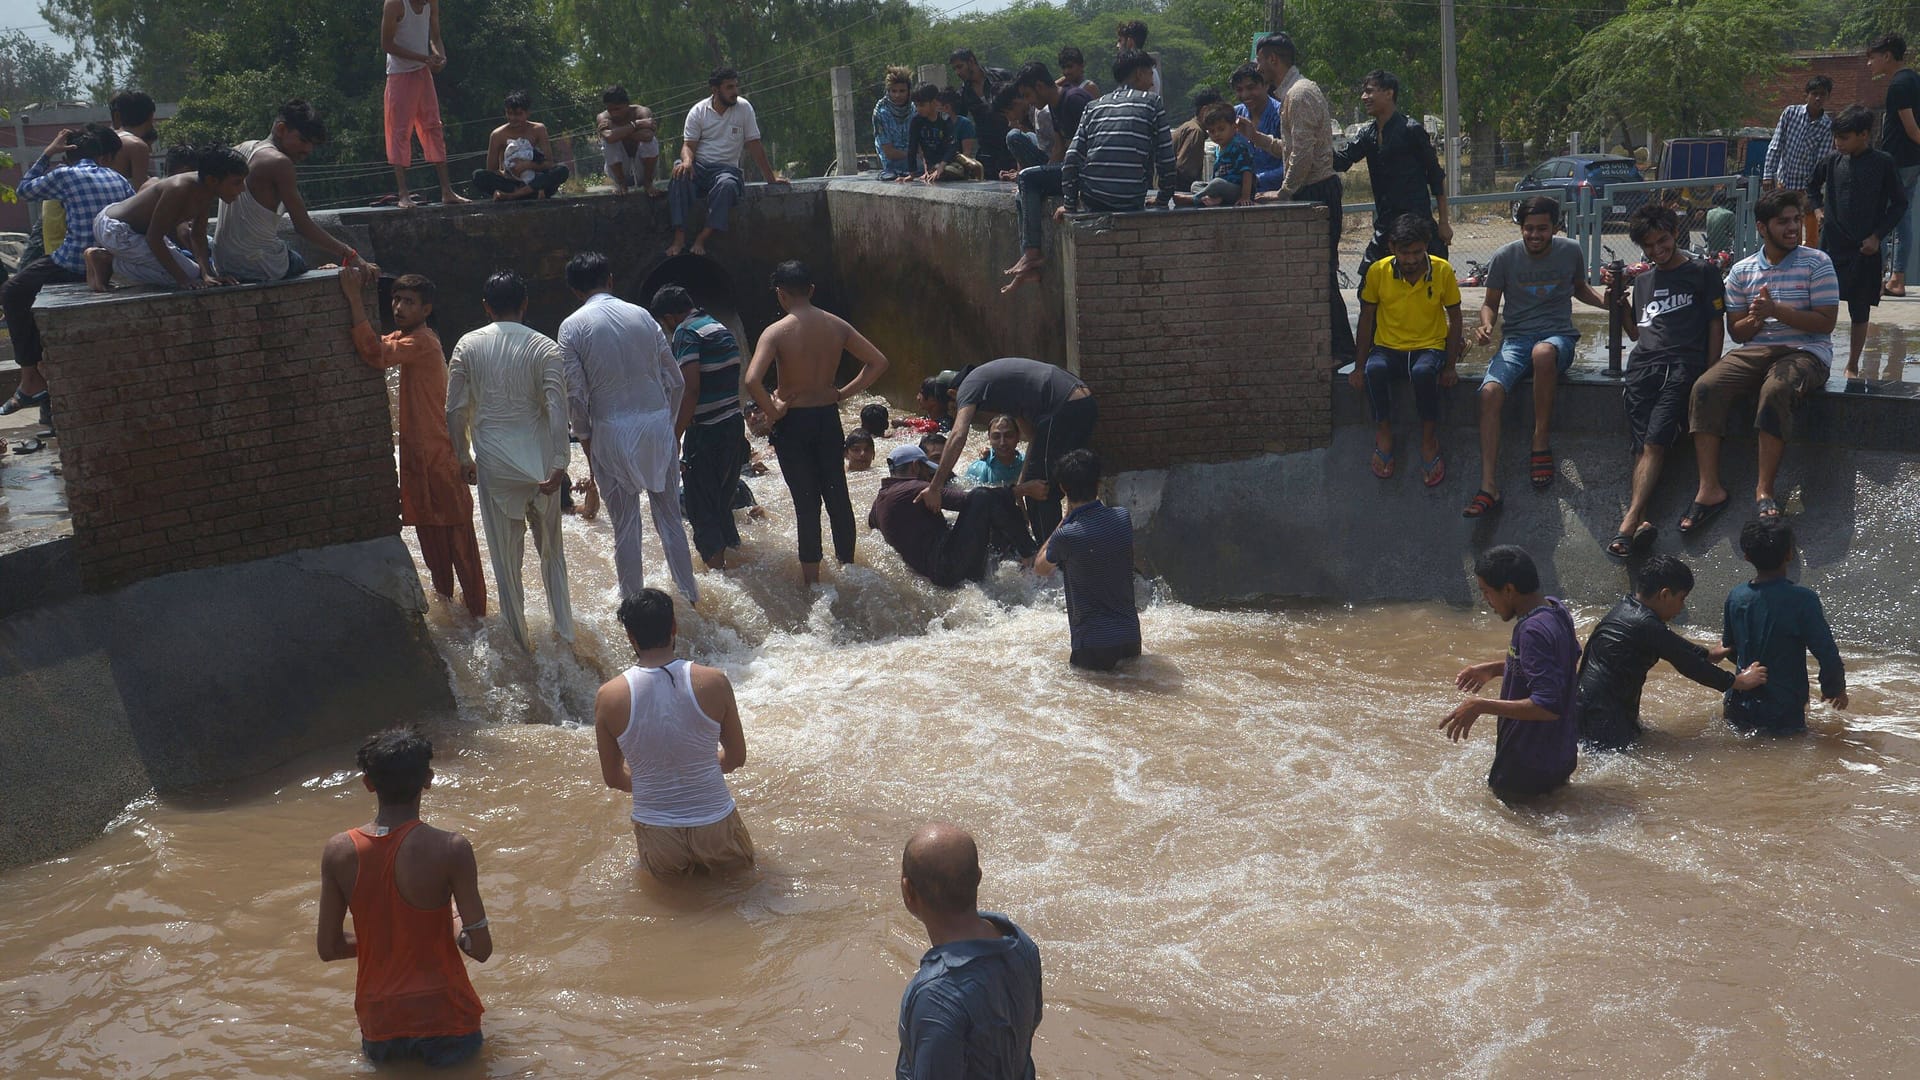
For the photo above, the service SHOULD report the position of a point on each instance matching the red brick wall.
(1788, 86)
(1204, 334)
(202, 429)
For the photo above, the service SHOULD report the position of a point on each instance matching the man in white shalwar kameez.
(507, 413)
(624, 391)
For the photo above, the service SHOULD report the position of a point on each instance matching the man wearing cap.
(1055, 411)
(945, 555)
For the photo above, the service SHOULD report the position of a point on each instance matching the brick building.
(1851, 85)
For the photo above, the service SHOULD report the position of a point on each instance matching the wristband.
(351, 258)
(481, 925)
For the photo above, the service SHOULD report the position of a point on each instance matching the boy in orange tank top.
(401, 879)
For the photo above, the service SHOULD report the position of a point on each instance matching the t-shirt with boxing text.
(1674, 310)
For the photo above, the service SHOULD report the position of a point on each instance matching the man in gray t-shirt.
(1538, 277)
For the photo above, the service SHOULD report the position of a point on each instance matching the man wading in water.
(803, 350)
(400, 878)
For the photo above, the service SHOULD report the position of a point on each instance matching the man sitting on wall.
(246, 239)
(629, 136)
(520, 161)
(719, 128)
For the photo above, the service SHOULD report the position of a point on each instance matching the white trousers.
(506, 510)
(133, 258)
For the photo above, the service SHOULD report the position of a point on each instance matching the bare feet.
(1029, 276)
(699, 248)
(590, 502)
(1030, 261)
(655, 193)
(447, 196)
(99, 269)
(406, 202)
(1853, 371)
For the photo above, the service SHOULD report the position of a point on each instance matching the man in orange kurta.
(433, 493)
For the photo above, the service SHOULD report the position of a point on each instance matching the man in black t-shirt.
(1900, 138)
(1674, 315)
(978, 85)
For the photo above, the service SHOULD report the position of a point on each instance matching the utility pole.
(1450, 90)
(1276, 16)
(845, 145)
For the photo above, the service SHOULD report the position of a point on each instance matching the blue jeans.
(720, 185)
(1907, 252)
(1036, 185)
(295, 264)
(1026, 149)
(1422, 366)
(438, 1051)
(1513, 365)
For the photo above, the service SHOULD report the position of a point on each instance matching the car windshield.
(1616, 170)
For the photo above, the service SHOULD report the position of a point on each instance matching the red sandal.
(1540, 468)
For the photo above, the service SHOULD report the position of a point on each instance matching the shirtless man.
(520, 161)
(132, 113)
(134, 237)
(629, 135)
(400, 878)
(804, 351)
(247, 244)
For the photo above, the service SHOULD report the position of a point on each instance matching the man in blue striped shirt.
(1123, 139)
(85, 185)
(1093, 547)
(714, 446)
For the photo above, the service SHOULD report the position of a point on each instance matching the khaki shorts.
(1781, 376)
(666, 851)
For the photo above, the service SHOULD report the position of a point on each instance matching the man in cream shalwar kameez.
(624, 391)
(507, 413)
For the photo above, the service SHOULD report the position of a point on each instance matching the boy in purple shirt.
(1539, 736)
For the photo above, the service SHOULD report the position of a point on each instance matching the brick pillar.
(1204, 333)
(209, 428)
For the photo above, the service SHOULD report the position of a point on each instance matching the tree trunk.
(1486, 155)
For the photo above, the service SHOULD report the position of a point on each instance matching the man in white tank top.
(246, 240)
(410, 34)
(668, 731)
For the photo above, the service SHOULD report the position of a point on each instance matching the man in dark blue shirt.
(971, 1009)
(1775, 623)
(1094, 548)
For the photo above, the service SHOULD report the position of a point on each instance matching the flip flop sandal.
(1700, 515)
(1382, 464)
(1643, 538)
(1433, 472)
(1540, 468)
(1766, 509)
(1621, 545)
(22, 401)
(29, 446)
(1483, 503)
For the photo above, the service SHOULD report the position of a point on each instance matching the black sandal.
(1621, 545)
(1700, 515)
(22, 401)
(1643, 538)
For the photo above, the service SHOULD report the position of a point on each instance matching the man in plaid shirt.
(84, 186)
(1803, 136)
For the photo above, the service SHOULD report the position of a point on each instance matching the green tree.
(33, 71)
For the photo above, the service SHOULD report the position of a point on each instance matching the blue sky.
(25, 15)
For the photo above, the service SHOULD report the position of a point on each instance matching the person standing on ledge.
(1539, 740)
(624, 391)
(1056, 413)
(803, 352)
(401, 879)
(246, 239)
(410, 34)
(668, 731)
(1402, 167)
(433, 494)
(717, 130)
(507, 414)
(974, 1004)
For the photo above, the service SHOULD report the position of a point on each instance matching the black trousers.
(1327, 193)
(1102, 657)
(545, 182)
(988, 519)
(810, 446)
(711, 458)
(1069, 429)
(17, 296)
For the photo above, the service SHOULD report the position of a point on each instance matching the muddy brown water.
(1249, 855)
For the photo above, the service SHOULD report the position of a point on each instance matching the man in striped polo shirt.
(1123, 139)
(714, 444)
(1781, 305)
(1093, 547)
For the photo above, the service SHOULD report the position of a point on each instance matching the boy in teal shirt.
(1774, 622)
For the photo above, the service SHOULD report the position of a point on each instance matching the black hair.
(1218, 113)
(1664, 572)
(722, 74)
(932, 387)
(931, 437)
(648, 617)
(1078, 474)
(220, 162)
(1507, 565)
(1767, 543)
(874, 419)
(1649, 218)
(1383, 79)
(1892, 44)
(1129, 61)
(304, 120)
(1205, 98)
(399, 761)
(793, 276)
(1772, 204)
(1007, 97)
(97, 141)
(924, 93)
(1537, 204)
(958, 55)
(1409, 229)
(505, 292)
(672, 300)
(588, 271)
(950, 97)
(1246, 73)
(1721, 196)
(1280, 46)
(131, 107)
(519, 99)
(1032, 73)
(1071, 54)
(855, 438)
(615, 95)
(1852, 119)
(1133, 30)
(418, 284)
(1820, 82)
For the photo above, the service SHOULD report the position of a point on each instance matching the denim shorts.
(437, 1051)
(1513, 364)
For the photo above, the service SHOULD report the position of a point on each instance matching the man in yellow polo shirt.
(1410, 329)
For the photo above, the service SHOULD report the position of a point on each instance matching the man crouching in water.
(400, 878)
